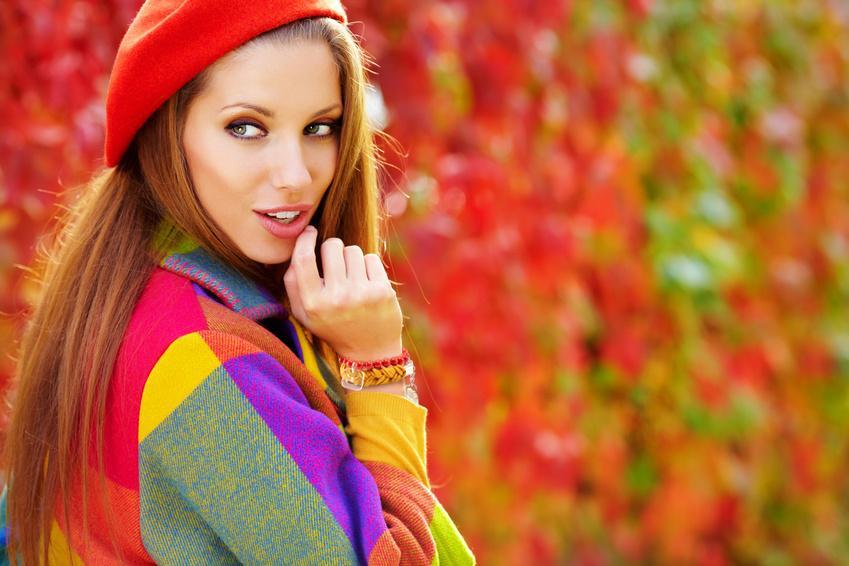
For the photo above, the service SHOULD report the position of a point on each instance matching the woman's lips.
(298, 207)
(280, 230)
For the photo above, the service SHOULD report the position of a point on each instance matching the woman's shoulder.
(167, 309)
(173, 307)
(186, 357)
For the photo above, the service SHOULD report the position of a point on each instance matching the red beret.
(171, 41)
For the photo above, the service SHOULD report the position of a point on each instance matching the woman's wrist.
(369, 362)
(358, 374)
(395, 375)
(372, 355)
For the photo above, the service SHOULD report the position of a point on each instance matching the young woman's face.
(261, 143)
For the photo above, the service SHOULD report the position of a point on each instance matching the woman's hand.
(354, 308)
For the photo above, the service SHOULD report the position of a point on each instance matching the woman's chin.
(276, 254)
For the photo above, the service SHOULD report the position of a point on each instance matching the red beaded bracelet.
(384, 363)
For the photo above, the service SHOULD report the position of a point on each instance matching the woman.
(179, 397)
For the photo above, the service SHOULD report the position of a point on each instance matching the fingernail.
(311, 228)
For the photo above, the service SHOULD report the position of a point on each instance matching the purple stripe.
(293, 332)
(317, 446)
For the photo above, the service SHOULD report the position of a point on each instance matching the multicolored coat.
(228, 440)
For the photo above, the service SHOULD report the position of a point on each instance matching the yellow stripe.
(390, 429)
(309, 353)
(186, 363)
(60, 552)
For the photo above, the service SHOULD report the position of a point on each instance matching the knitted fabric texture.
(223, 445)
(171, 41)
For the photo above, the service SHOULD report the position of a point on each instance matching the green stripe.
(250, 492)
(451, 548)
(329, 378)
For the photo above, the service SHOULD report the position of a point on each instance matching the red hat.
(171, 41)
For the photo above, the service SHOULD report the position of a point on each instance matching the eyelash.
(334, 128)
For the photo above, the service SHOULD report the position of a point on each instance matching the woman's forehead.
(278, 76)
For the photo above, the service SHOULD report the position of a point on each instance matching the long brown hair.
(99, 263)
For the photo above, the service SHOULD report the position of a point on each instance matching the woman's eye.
(245, 130)
(322, 129)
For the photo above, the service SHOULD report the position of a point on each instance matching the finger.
(355, 266)
(304, 263)
(333, 263)
(374, 268)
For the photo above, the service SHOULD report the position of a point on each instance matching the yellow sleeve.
(388, 428)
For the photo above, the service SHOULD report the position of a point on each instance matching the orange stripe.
(121, 521)
(408, 507)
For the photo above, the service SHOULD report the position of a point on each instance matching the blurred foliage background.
(622, 228)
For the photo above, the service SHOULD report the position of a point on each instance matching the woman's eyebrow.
(266, 112)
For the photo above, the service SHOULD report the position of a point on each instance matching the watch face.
(353, 379)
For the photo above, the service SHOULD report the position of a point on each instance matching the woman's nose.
(288, 167)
